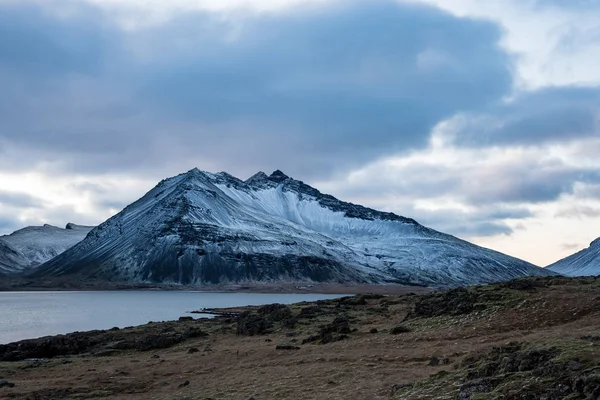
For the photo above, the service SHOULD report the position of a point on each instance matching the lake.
(26, 315)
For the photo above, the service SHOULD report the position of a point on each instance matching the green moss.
(517, 369)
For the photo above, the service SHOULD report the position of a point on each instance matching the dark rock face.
(261, 180)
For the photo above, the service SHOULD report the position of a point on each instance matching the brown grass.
(364, 366)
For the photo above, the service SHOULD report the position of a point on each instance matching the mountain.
(11, 260)
(200, 227)
(583, 263)
(34, 245)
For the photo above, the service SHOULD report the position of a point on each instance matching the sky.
(477, 118)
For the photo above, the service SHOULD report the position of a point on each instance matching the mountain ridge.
(585, 262)
(31, 246)
(206, 228)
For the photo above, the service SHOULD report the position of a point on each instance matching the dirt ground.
(437, 334)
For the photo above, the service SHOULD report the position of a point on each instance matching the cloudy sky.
(477, 118)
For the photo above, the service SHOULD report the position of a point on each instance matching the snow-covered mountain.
(34, 245)
(11, 260)
(583, 263)
(200, 227)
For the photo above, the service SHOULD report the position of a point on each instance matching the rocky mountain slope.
(11, 260)
(583, 263)
(200, 228)
(34, 245)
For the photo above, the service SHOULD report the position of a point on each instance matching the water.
(26, 315)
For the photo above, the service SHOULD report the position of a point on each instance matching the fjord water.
(26, 315)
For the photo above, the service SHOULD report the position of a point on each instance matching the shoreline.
(533, 336)
(268, 288)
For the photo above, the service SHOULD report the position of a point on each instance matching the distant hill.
(34, 245)
(583, 263)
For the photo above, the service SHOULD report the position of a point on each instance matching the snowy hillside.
(200, 227)
(583, 263)
(34, 245)
(11, 260)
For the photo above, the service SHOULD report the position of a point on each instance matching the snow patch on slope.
(200, 227)
(38, 244)
(583, 263)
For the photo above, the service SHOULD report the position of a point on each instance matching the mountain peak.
(278, 176)
(258, 177)
(193, 171)
(202, 227)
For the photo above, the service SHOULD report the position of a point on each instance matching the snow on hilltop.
(34, 245)
(200, 227)
(583, 263)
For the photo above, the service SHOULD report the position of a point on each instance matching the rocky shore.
(21, 283)
(530, 338)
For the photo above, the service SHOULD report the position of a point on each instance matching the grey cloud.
(582, 5)
(34, 43)
(90, 187)
(518, 181)
(558, 114)
(112, 204)
(22, 200)
(307, 91)
(10, 220)
(8, 224)
(525, 181)
(589, 191)
(510, 213)
(484, 228)
(487, 221)
(572, 246)
(578, 212)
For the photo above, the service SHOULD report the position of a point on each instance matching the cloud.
(40, 45)
(8, 224)
(571, 247)
(24, 200)
(524, 181)
(554, 42)
(473, 223)
(578, 211)
(580, 5)
(551, 115)
(313, 90)
(469, 116)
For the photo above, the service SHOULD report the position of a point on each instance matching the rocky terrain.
(200, 228)
(532, 338)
